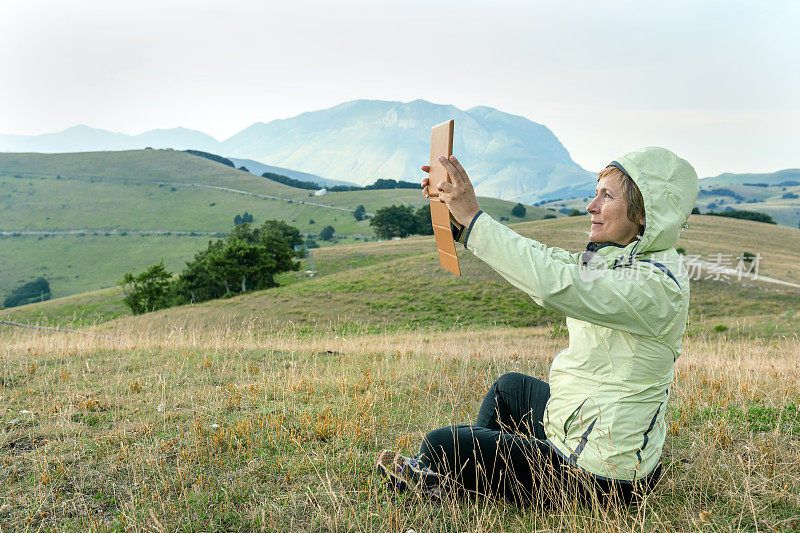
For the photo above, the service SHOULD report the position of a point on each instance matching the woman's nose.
(592, 208)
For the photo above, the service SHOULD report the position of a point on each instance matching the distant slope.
(772, 178)
(82, 220)
(254, 167)
(86, 139)
(781, 202)
(384, 285)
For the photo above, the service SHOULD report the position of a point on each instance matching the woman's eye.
(608, 195)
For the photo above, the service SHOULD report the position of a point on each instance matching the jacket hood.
(669, 188)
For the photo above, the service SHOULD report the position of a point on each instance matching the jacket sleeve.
(634, 299)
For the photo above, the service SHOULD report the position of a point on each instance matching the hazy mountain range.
(507, 156)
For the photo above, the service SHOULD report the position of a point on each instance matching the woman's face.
(610, 214)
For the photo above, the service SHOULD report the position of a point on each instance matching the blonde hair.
(631, 193)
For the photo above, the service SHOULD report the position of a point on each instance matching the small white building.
(321, 192)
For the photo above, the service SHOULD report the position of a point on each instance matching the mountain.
(507, 156)
(83, 138)
(257, 168)
(773, 178)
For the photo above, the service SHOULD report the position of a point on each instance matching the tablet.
(442, 144)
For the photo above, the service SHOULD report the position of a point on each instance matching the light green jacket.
(626, 309)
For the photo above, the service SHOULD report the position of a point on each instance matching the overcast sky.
(718, 82)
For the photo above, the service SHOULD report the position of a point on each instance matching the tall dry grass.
(238, 426)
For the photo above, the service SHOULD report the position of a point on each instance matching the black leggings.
(506, 454)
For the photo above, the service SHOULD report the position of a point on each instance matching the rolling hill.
(379, 285)
(82, 220)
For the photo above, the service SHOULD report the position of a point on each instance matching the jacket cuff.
(465, 233)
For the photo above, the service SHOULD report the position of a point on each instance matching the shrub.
(148, 291)
(681, 250)
(358, 213)
(746, 215)
(519, 211)
(424, 224)
(395, 221)
(327, 233)
(549, 215)
(244, 218)
(576, 213)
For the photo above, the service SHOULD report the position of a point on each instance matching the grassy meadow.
(112, 197)
(168, 425)
(265, 411)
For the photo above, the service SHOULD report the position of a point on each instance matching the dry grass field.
(264, 412)
(221, 426)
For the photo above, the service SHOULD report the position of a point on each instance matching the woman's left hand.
(458, 195)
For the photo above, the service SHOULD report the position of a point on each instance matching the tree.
(148, 291)
(394, 221)
(747, 215)
(424, 224)
(244, 218)
(576, 213)
(695, 210)
(37, 290)
(290, 233)
(247, 259)
(327, 233)
(244, 168)
(359, 212)
(549, 215)
(240, 265)
(519, 211)
(286, 180)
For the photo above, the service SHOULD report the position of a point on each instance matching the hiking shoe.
(407, 472)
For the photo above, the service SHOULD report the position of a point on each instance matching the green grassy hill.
(775, 200)
(127, 210)
(387, 285)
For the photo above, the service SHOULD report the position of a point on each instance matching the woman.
(597, 429)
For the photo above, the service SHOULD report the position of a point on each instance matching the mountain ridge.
(360, 141)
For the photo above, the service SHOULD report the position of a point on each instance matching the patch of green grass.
(758, 417)
(79, 264)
